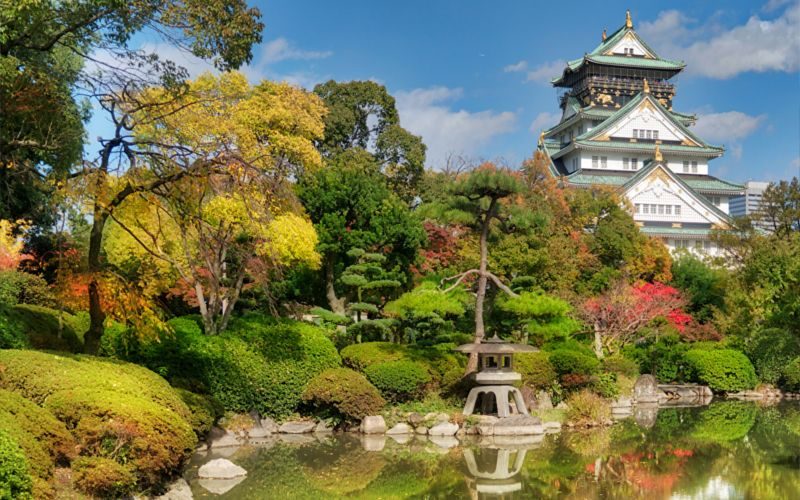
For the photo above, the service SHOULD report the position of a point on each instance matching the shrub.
(102, 477)
(445, 366)
(204, 411)
(399, 380)
(621, 365)
(568, 361)
(38, 327)
(18, 287)
(605, 384)
(536, 369)
(722, 369)
(587, 408)
(343, 394)
(114, 410)
(665, 359)
(15, 480)
(361, 356)
(771, 352)
(791, 375)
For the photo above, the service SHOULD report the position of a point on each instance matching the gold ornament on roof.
(645, 86)
(604, 35)
(657, 154)
(541, 139)
(628, 21)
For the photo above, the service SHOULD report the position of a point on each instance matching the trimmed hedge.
(204, 411)
(399, 381)
(536, 369)
(114, 410)
(15, 480)
(772, 350)
(25, 325)
(103, 477)
(343, 394)
(791, 375)
(361, 356)
(567, 361)
(722, 369)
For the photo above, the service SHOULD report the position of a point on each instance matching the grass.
(552, 415)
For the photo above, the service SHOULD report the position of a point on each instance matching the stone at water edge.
(220, 468)
(179, 490)
(221, 438)
(521, 425)
(421, 430)
(543, 401)
(622, 402)
(373, 424)
(323, 427)
(646, 390)
(443, 429)
(296, 427)
(269, 424)
(401, 428)
(415, 419)
(552, 426)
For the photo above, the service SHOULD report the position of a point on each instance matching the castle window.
(625, 164)
(648, 132)
(635, 133)
(645, 208)
(661, 210)
(634, 163)
(694, 167)
(594, 162)
(638, 207)
(655, 134)
(668, 209)
(686, 167)
(604, 162)
(677, 209)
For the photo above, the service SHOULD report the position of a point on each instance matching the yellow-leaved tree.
(230, 219)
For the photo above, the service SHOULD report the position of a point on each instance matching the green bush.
(536, 369)
(445, 366)
(343, 394)
(399, 381)
(204, 411)
(771, 352)
(25, 325)
(568, 361)
(791, 375)
(359, 357)
(605, 384)
(15, 480)
(665, 359)
(114, 410)
(103, 477)
(722, 369)
(621, 365)
(586, 407)
(19, 287)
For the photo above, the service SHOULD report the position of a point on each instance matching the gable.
(649, 117)
(660, 187)
(629, 44)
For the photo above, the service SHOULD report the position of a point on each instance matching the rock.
(543, 401)
(220, 468)
(374, 424)
(221, 438)
(622, 402)
(421, 430)
(443, 429)
(179, 490)
(646, 390)
(298, 427)
(487, 419)
(442, 417)
(322, 427)
(486, 429)
(269, 425)
(552, 426)
(401, 428)
(430, 416)
(562, 406)
(521, 425)
(415, 419)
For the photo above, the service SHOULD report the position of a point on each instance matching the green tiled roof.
(637, 62)
(712, 184)
(644, 146)
(583, 179)
(696, 232)
(703, 183)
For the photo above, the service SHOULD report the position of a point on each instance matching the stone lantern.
(495, 377)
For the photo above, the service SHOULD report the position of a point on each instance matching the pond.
(730, 449)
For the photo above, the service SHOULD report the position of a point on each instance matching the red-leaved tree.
(618, 315)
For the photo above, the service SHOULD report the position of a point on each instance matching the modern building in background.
(618, 128)
(750, 201)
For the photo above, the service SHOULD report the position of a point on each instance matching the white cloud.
(544, 121)
(546, 72)
(757, 45)
(516, 68)
(727, 127)
(281, 50)
(427, 112)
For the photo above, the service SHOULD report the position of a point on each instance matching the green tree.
(363, 115)
(352, 206)
(780, 208)
(702, 284)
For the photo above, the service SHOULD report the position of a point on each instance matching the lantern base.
(502, 399)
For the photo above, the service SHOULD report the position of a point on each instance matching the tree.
(52, 53)
(363, 115)
(703, 285)
(618, 314)
(780, 208)
(228, 215)
(352, 206)
(426, 312)
(538, 317)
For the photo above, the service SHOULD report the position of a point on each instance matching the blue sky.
(471, 76)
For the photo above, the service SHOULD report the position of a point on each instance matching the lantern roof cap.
(495, 345)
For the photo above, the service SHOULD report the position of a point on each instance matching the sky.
(472, 77)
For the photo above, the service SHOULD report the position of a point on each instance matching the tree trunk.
(97, 317)
(480, 329)
(336, 304)
(598, 342)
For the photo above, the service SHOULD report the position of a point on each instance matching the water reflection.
(729, 449)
